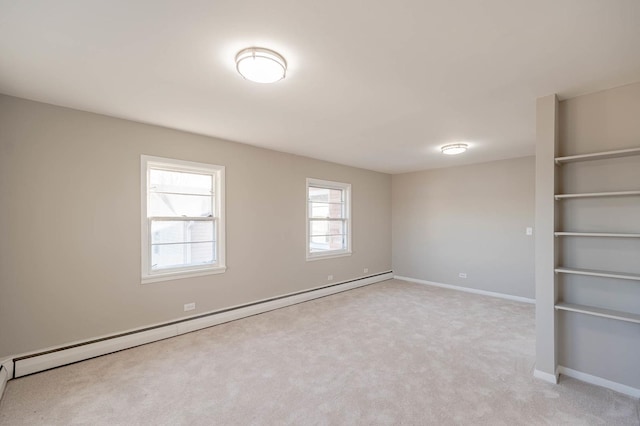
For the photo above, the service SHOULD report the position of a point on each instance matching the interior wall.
(468, 219)
(602, 121)
(70, 225)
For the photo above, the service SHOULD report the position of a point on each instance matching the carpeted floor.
(389, 353)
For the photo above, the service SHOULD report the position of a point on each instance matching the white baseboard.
(467, 289)
(547, 377)
(599, 381)
(78, 351)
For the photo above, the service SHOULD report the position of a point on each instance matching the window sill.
(312, 257)
(178, 275)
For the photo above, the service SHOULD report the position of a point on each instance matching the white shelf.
(598, 156)
(597, 194)
(599, 312)
(596, 273)
(595, 234)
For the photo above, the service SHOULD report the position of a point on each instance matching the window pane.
(324, 243)
(181, 255)
(182, 231)
(177, 205)
(327, 227)
(180, 182)
(326, 195)
(322, 210)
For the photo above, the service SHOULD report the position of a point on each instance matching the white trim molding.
(216, 217)
(79, 351)
(599, 381)
(345, 218)
(547, 377)
(467, 289)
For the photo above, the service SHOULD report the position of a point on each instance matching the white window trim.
(334, 185)
(185, 166)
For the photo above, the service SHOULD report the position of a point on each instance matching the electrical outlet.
(329, 278)
(462, 275)
(366, 270)
(529, 231)
(189, 306)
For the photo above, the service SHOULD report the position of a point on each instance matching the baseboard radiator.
(59, 356)
(4, 377)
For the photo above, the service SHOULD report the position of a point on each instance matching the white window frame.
(346, 187)
(146, 163)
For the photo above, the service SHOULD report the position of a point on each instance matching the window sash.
(153, 187)
(152, 220)
(313, 205)
(186, 256)
(186, 267)
(344, 227)
(206, 252)
(328, 209)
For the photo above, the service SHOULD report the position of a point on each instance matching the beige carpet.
(389, 353)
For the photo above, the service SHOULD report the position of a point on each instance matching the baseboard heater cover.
(4, 378)
(45, 360)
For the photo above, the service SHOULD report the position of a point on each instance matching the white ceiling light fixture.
(261, 65)
(454, 148)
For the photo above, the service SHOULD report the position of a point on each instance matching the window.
(328, 219)
(182, 219)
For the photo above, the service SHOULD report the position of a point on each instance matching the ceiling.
(375, 84)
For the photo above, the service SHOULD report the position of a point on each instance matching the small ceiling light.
(454, 148)
(261, 65)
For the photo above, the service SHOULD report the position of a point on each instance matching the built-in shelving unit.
(598, 156)
(596, 234)
(597, 273)
(592, 310)
(599, 312)
(597, 194)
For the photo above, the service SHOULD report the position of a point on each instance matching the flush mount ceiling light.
(261, 65)
(454, 148)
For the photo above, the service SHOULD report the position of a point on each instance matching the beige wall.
(70, 225)
(602, 121)
(469, 219)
